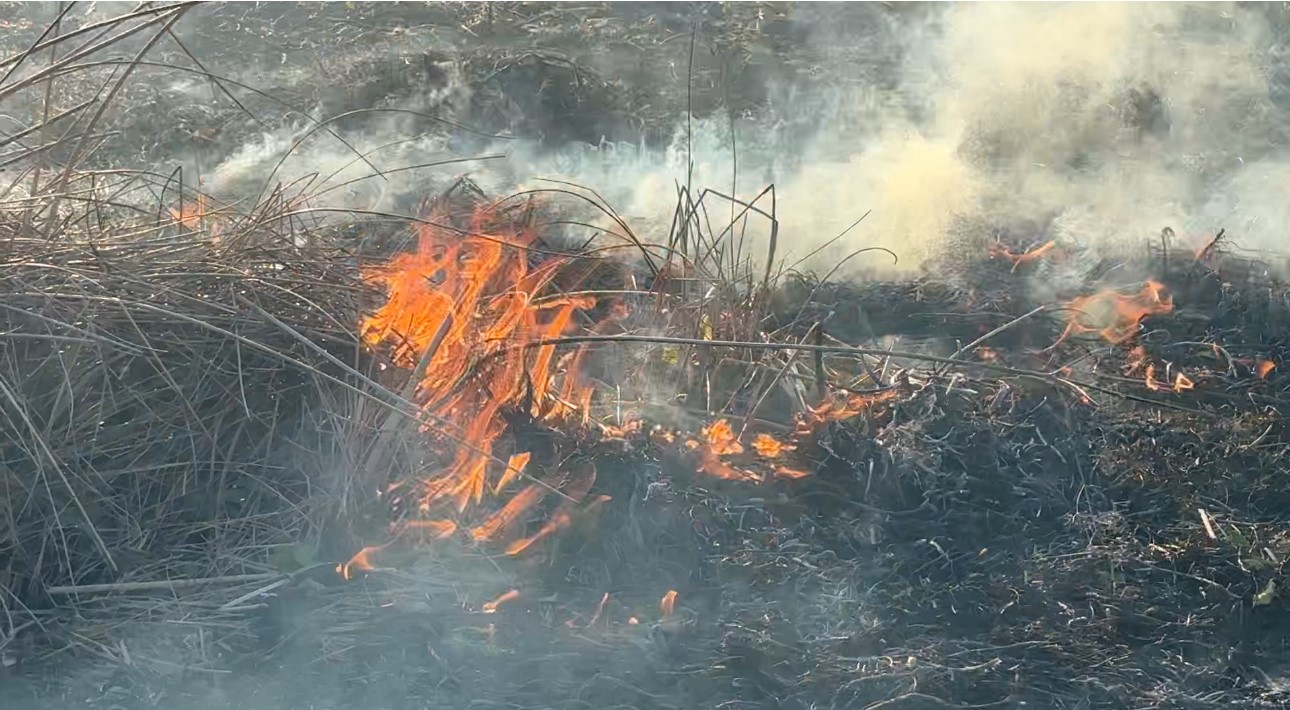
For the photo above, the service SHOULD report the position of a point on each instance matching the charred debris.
(657, 485)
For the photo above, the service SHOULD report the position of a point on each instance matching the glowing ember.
(1115, 316)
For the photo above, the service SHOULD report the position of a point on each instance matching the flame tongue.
(481, 284)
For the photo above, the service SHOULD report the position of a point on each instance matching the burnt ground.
(991, 539)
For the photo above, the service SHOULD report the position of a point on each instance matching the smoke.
(1099, 123)
(1096, 124)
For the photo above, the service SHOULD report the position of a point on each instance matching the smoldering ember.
(643, 355)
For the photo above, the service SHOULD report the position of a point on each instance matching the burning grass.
(463, 463)
(482, 492)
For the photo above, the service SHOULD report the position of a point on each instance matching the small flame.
(1263, 368)
(1114, 315)
(360, 562)
(999, 251)
(769, 447)
(790, 473)
(190, 215)
(437, 529)
(1152, 383)
(667, 605)
(491, 607)
(1135, 361)
(1182, 383)
(721, 439)
(853, 404)
(506, 517)
(514, 469)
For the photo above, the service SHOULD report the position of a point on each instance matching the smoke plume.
(1094, 124)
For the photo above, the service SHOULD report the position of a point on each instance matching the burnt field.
(316, 394)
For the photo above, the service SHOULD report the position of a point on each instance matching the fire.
(437, 529)
(769, 447)
(491, 607)
(999, 251)
(460, 308)
(575, 490)
(514, 469)
(468, 308)
(360, 562)
(853, 404)
(667, 605)
(1263, 368)
(721, 438)
(1115, 316)
(189, 215)
(1182, 383)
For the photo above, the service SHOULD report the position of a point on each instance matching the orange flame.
(1115, 316)
(579, 484)
(840, 408)
(999, 251)
(1182, 383)
(667, 605)
(438, 529)
(190, 215)
(468, 302)
(721, 438)
(514, 469)
(491, 607)
(769, 447)
(509, 514)
(360, 562)
(1263, 368)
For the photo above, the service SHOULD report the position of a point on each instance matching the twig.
(1015, 371)
(1006, 326)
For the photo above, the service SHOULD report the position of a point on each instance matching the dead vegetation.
(235, 472)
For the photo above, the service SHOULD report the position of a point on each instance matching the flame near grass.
(470, 309)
